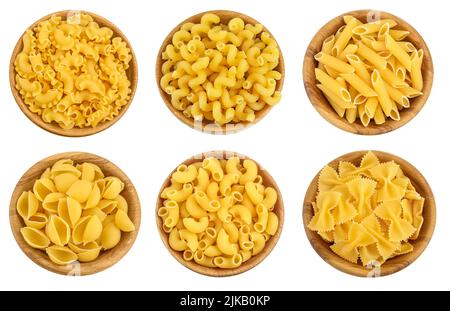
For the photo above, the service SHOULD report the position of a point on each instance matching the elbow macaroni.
(222, 73)
(74, 212)
(367, 72)
(73, 74)
(218, 228)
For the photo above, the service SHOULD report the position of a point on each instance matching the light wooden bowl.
(252, 262)
(106, 258)
(132, 74)
(207, 126)
(392, 265)
(321, 103)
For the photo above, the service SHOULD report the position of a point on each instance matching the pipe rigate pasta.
(79, 222)
(72, 72)
(368, 213)
(211, 225)
(221, 72)
(369, 72)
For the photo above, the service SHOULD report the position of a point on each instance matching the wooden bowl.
(106, 258)
(252, 262)
(208, 126)
(392, 265)
(132, 74)
(321, 104)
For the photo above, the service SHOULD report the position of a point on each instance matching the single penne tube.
(363, 117)
(416, 70)
(360, 68)
(397, 96)
(391, 78)
(410, 92)
(398, 52)
(339, 110)
(378, 46)
(331, 72)
(349, 49)
(359, 84)
(327, 45)
(351, 114)
(379, 117)
(371, 106)
(371, 56)
(359, 99)
(373, 27)
(334, 98)
(383, 31)
(400, 73)
(385, 54)
(333, 85)
(334, 62)
(398, 35)
(386, 103)
(407, 46)
(345, 36)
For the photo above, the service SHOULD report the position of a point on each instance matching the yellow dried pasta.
(369, 72)
(224, 218)
(368, 213)
(74, 224)
(72, 72)
(221, 73)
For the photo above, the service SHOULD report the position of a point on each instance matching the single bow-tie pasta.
(75, 205)
(367, 212)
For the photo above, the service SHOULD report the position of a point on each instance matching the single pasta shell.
(123, 222)
(90, 172)
(35, 238)
(63, 168)
(57, 230)
(114, 187)
(78, 230)
(37, 221)
(95, 211)
(111, 236)
(27, 205)
(61, 255)
(69, 210)
(86, 253)
(94, 197)
(80, 190)
(122, 203)
(107, 206)
(51, 202)
(64, 181)
(109, 219)
(93, 229)
(43, 187)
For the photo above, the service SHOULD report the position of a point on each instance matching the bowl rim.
(392, 265)
(106, 258)
(132, 74)
(255, 260)
(322, 106)
(211, 127)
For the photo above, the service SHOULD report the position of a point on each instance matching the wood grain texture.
(392, 265)
(252, 262)
(106, 258)
(207, 126)
(321, 104)
(132, 74)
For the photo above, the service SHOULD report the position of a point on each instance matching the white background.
(293, 143)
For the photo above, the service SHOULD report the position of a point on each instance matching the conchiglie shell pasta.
(114, 186)
(43, 187)
(64, 181)
(95, 211)
(37, 221)
(69, 210)
(90, 172)
(123, 222)
(27, 205)
(88, 229)
(86, 253)
(35, 238)
(94, 197)
(111, 236)
(80, 190)
(61, 255)
(122, 203)
(57, 230)
(51, 202)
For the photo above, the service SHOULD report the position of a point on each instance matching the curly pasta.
(73, 72)
(222, 73)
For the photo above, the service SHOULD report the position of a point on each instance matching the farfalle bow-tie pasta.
(73, 72)
(222, 73)
(74, 212)
(218, 213)
(369, 71)
(369, 213)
